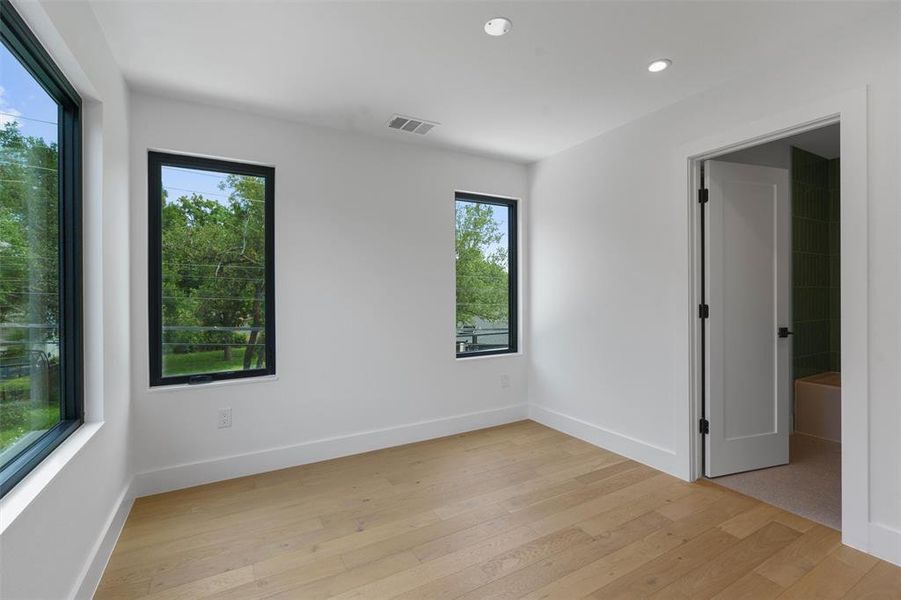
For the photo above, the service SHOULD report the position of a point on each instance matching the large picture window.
(40, 253)
(486, 275)
(212, 300)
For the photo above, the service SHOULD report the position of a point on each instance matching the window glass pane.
(483, 276)
(213, 272)
(29, 259)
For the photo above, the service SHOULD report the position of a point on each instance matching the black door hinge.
(703, 311)
(702, 195)
(705, 426)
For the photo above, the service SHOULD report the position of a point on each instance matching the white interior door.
(748, 375)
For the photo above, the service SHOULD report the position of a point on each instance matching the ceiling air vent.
(411, 124)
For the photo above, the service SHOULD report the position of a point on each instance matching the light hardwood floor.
(518, 511)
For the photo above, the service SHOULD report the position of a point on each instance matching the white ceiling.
(567, 72)
(825, 141)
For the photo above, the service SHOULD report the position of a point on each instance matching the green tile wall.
(835, 314)
(815, 260)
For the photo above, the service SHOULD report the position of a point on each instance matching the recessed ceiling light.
(659, 65)
(498, 26)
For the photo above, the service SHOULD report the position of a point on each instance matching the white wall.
(55, 519)
(609, 262)
(364, 300)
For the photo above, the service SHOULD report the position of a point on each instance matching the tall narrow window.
(40, 253)
(486, 275)
(212, 300)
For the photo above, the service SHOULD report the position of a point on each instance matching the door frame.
(850, 110)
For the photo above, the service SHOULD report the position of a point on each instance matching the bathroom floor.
(810, 485)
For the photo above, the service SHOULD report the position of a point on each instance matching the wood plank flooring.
(518, 511)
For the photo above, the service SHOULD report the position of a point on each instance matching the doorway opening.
(771, 322)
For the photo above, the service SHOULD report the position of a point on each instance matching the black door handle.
(784, 332)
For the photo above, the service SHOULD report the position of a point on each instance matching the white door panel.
(748, 256)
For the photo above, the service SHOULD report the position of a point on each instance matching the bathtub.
(818, 406)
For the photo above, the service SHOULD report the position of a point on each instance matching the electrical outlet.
(225, 418)
(505, 381)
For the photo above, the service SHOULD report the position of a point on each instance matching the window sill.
(487, 356)
(181, 387)
(20, 497)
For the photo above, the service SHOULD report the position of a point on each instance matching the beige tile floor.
(810, 485)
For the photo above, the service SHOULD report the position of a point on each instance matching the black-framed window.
(41, 371)
(486, 267)
(212, 269)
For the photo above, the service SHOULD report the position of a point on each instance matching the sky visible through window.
(24, 101)
(179, 182)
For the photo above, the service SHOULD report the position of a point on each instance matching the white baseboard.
(103, 547)
(229, 467)
(648, 454)
(885, 543)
